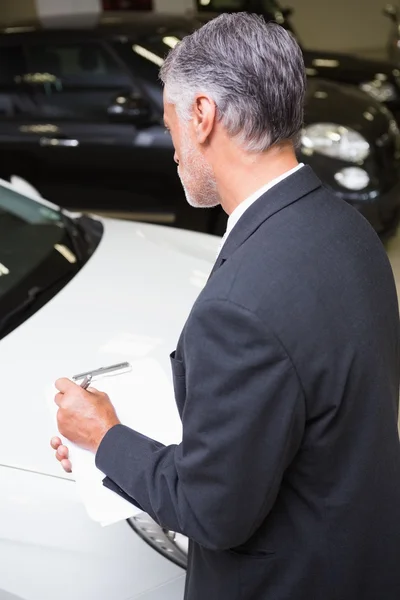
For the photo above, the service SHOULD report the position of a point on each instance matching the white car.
(78, 293)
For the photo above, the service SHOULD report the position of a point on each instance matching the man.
(286, 375)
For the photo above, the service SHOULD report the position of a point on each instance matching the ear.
(204, 117)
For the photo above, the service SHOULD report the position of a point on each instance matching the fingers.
(93, 390)
(66, 465)
(55, 442)
(64, 384)
(62, 453)
(62, 396)
(58, 398)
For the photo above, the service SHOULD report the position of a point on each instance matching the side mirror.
(392, 12)
(131, 107)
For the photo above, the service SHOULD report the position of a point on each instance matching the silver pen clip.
(117, 369)
(86, 382)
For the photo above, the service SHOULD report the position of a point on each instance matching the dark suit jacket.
(286, 375)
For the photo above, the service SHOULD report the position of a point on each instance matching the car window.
(39, 254)
(145, 54)
(84, 64)
(28, 232)
(12, 66)
(14, 100)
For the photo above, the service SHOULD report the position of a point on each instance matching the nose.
(176, 159)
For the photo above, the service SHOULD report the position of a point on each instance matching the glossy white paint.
(50, 549)
(129, 302)
(24, 187)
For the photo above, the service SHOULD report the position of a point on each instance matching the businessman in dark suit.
(286, 375)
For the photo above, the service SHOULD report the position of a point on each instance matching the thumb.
(92, 390)
(64, 384)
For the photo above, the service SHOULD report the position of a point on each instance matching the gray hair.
(254, 72)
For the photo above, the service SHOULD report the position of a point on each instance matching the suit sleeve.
(243, 423)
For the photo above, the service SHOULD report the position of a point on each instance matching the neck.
(241, 173)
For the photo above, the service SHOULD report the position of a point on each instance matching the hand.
(62, 454)
(83, 416)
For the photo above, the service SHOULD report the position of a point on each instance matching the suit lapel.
(285, 193)
(220, 261)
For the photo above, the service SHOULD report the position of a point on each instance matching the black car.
(378, 78)
(81, 120)
(393, 45)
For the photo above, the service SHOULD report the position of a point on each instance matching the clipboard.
(132, 388)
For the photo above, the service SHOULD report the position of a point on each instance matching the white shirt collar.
(243, 206)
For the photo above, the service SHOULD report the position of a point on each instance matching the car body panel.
(64, 134)
(393, 43)
(325, 104)
(85, 160)
(334, 66)
(125, 308)
(50, 548)
(129, 302)
(354, 70)
(347, 68)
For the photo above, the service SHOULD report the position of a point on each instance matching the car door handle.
(56, 141)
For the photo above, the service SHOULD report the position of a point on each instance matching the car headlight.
(335, 141)
(353, 178)
(380, 90)
(173, 546)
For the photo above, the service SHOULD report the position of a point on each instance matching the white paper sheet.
(144, 400)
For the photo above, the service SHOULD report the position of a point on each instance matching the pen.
(86, 382)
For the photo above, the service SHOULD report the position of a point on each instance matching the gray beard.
(208, 197)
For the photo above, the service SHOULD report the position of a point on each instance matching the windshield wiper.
(74, 235)
(33, 293)
(31, 297)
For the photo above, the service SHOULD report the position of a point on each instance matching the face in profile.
(195, 173)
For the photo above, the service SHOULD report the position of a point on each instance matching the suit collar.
(239, 211)
(288, 191)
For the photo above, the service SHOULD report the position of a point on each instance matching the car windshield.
(37, 255)
(28, 233)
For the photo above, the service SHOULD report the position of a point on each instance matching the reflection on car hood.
(128, 303)
(328, 102)
(345, 67)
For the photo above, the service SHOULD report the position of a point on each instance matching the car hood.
(128, 303)
(328, 102)
(346, 68)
